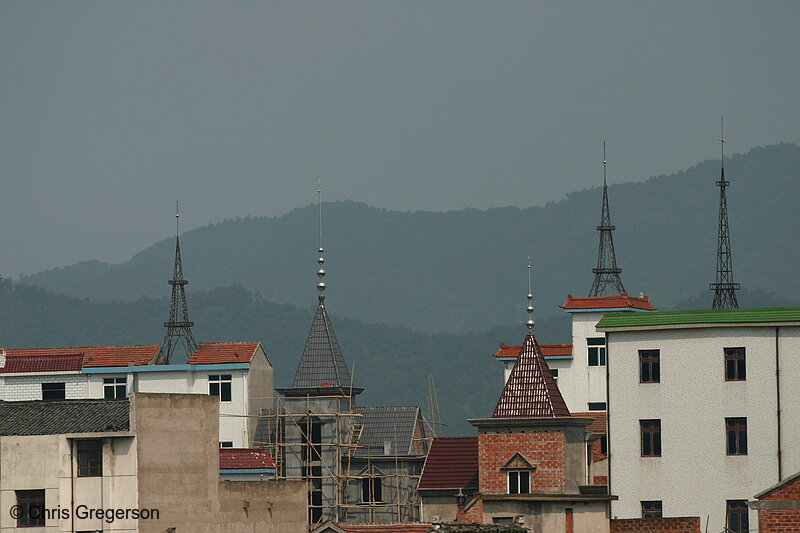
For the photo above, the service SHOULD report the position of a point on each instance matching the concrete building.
(143, 463)
(238, 373)
(702, 410)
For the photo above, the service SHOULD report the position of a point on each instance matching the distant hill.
(464, 271)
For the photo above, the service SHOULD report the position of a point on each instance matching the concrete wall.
(260, 391)
(694, 475)
(550, 517)
(580, 383)
(394, 489)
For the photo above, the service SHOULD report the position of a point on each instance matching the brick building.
(779, 506)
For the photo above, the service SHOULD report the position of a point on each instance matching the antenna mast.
(724, 288)
(179, 328)
(606, 273)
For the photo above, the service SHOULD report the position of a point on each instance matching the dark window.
(53, 391)
(226, 444)
(220, 385)
(554, 373)
(519, 482)
(597, 406)
(371, 490)
(604, 445)
(31, 508)
(311, 435)
(736, 432)
(736, 516)
(597, 351)
(649, 366)
(651, 509)
(114, 388)
(90, 458)
(651, 437)
(735, 368)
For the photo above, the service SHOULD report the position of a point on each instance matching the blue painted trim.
(246, 470)
(164, 368)
(607, 310)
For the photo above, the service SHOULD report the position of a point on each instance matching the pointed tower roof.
(322, 365)
(531, 391)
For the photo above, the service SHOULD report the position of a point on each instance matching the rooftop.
(599, 425)
(322, 363)
(511, 351)
(621, 302)
(43, 363)
(530, 391)
(94, 356)
(240, 458)
(55, 417)
(452, 463)
(223, 352)
(700, 318)
(395, 424)
(384, 527)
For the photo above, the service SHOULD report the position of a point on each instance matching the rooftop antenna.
(321, 272)
(179, 328)
(606, 273)
(530, 323)
(724, 288)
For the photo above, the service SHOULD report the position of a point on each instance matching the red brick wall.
(686, 524)
(545, 449)
(781, 520)
(475, 512)
(597, 454)
(600, 480)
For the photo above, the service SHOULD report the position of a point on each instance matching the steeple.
(724, 288)
(531, 391)
(606, 273)
(322, 364)
(179, 339)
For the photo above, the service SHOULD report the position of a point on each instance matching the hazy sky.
(111, 110)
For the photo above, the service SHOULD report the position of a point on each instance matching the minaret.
(606, 274)
(179, 328)
(724, 289)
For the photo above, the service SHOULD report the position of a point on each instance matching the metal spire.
(606, 273)
(724, 288)
(321, 272)
(530, 323)
(179, 328)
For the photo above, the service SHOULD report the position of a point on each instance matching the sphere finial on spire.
(530, 323)
(321, 261)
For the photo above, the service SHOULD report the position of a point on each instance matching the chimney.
(387, 447)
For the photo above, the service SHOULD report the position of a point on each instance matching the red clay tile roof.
(452, 463)
(138, 354)
(599, 424)
(548, 350)
(223, 352)
(607, 302)
(245, 458)
(386, 527)
(530, 391)
(43, 363)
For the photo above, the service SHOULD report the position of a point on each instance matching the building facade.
(702, 410)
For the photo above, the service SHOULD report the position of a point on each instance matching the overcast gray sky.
(110, 111)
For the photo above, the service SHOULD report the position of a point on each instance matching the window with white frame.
(220, 385)
(597, 351)
(519, 481)
(114, 388)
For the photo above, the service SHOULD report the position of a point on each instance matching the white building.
(239, 373)
(579, 368)
(702, 410)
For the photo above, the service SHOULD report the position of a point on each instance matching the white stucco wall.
(694, 476)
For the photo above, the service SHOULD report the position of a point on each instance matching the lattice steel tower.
(606, 274)
(179, 328)
(724, 289)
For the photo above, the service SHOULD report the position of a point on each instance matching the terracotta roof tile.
(138, 354)
(223, 352)
(452, 463)
(43, 363)
(386, 527)
(607, 302)
(548, 350)
(599, 424)
(230, 458)
(530, 391)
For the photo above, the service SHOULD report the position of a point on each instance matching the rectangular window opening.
(649, 366)
(519, 482)
(597, 351)
(371, 490)
(220, 386)
(114, 388)
(651, 509)
(651, 437)
(597, 406)
(735, 366)
(736, 433)
(736, 516)
(90, 457)
(54, 391)
(31, 508)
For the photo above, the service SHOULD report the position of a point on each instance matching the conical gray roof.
(322, 363)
